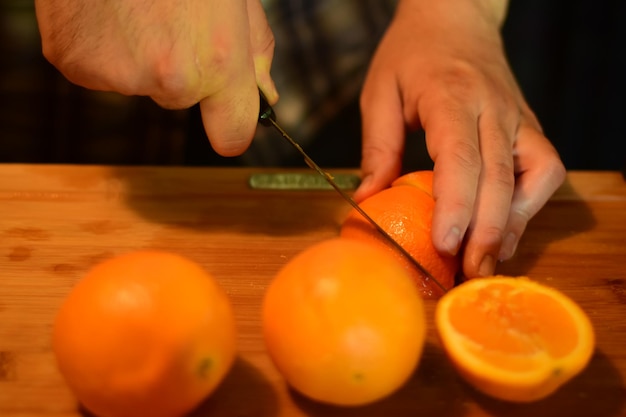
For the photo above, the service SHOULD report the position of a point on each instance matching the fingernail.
(452, 241)
(274, 92)
(509, 245)
(487, 266)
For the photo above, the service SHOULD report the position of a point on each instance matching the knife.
(267, 117)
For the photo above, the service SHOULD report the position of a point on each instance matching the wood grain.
(57, 221)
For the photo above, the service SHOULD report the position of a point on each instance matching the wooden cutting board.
(58, 221)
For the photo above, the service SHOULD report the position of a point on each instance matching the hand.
(178, 53)
(441, 66)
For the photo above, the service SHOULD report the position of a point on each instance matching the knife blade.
(267, 117)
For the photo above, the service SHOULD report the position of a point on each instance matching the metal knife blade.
(267, 117)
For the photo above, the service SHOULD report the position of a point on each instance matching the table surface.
(56, 221)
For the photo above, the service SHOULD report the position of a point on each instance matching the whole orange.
(405, 212)
(344, 323)
(148, 333)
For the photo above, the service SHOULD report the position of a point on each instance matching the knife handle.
(266, 113)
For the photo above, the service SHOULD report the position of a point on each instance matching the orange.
(419, 179)
(405, 212)
(343, 323)
(147, 333)
(512, 338)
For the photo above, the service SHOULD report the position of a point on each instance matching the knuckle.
(521, 217)
(374, 151)
(466, 155)
(51, 52)
(556, 170)
(490, 236)
(507, 109)
(529, 118)
(501, 172)
(174, 86)
(463, 206)
(458, 74)
(54, 44)
(170, 82)
(266, 42)
(62, 56)
(461, 79)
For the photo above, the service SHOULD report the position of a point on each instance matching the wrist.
(493, 11)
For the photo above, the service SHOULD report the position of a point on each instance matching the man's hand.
(179, 53)
(441, 66)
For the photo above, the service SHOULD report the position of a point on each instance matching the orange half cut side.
(513, 338)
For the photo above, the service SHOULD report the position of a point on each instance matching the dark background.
(569, 57)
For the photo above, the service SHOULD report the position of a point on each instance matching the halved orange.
(513, 338)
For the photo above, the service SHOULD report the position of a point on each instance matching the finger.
(383, 135)
(262, 44)
(230, 113)
(452, 141)
(539, 173)
(230, 116)
(495, 191)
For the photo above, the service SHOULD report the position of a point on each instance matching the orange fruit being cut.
(344, 323)
(513, 338)
(147, 333)
(405, 211)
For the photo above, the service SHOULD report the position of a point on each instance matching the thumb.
(383, 136)
(230, 116)
(230, 113)
(262, 45)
